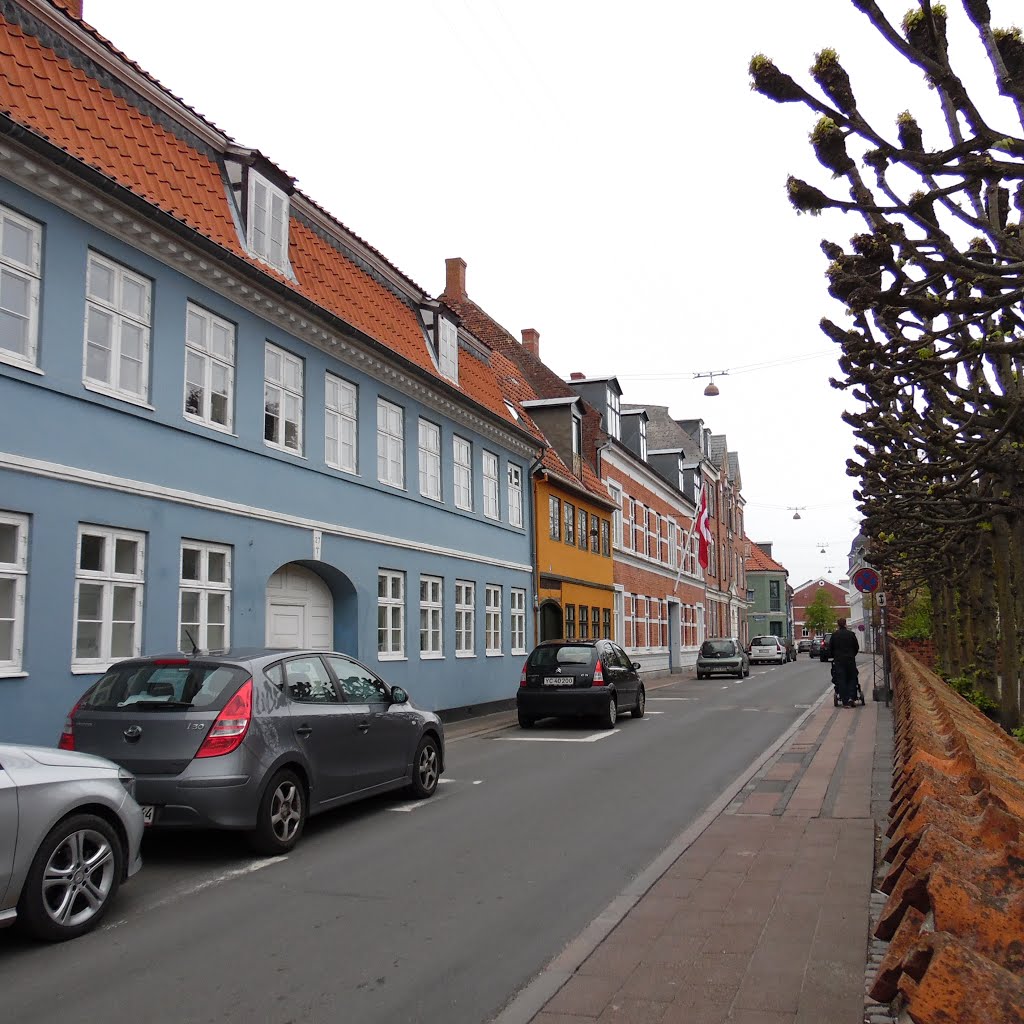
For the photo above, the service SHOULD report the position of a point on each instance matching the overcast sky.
(604, 170)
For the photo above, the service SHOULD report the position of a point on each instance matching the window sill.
(465, 654)
(117, 395)
(494, 654)
(392, 657)
(12, 674)
(216, 427)
(431, 657)
(90, 670)
(284, 451)
(19, 364)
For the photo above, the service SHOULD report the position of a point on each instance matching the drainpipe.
(533, 551)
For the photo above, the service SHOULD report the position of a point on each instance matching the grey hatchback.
(256, 739)
(575, 678)
(722, 656)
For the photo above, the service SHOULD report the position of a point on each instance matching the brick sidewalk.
(764, 918)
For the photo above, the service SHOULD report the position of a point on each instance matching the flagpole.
(689, 534)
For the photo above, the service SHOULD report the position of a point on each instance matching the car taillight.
(599, 674)
(522, 678)
(228, 731)
(67, 736)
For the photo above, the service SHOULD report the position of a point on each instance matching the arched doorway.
(300, 609)
(550, 621)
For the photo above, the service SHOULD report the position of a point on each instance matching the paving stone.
(633, 1011)
(583, 995)
(655, 981)
(611, 960)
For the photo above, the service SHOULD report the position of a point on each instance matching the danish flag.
(703, 529)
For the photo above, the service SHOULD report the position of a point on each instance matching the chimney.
(576, 375)
(531, 341)
(455, 278)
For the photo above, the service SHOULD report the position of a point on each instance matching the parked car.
(768, 648)
(70, 833)
(825, 649)
(815, 650)
(256, 739)
(803, 644)
(722, 656)
(575, 678)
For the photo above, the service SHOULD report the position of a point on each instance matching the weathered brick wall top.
(955, 914)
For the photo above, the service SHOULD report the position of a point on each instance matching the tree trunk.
(1006, 627)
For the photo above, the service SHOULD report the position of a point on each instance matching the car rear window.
(567, 654)
(764, 641)
(184, 685)
(717, 647)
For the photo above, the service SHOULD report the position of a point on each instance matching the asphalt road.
(391, 911)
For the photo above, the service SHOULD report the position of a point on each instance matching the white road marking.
(649, 699)
(558, 739)
(750, 709)
(227, 876)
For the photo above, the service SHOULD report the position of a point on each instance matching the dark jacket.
(844, 645)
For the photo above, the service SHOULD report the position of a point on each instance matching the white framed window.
(517, 620)
(673, 545)
(430, 460)
(642, 423)
(341, 410)
(462, 455)
(615, 491)
(431, 616)
(204, 600)
(117, 321)
(612, 416)
(490, 472)
(465, 598)
(21, 246)
(390, 614)
(448, 350)
(109, 584)
(283, 390)
(209, 368)
(515, 496)
(267, 222)
(13, 583)
(492, 619)
(390, 444)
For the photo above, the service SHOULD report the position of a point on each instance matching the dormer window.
(267, 222)
(577, 446)
(612, 422)
(448, 350)
(643, 437)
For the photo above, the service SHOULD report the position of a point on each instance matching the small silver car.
(70, 832)
(722, 656)
(256, 739)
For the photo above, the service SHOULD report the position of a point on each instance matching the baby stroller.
(858, 697)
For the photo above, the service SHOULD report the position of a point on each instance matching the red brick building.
(805, 594)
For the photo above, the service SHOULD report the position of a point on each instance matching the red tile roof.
(60, 103)
(758, 561)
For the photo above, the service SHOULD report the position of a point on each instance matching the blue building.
(224, 418)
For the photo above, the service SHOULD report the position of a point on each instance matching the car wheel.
(282, 815)
(76, 873)
(746, 672)
(526, 721)
(610, 714)
(638, 708)
(426, 768)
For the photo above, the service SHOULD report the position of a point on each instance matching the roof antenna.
(195, 648)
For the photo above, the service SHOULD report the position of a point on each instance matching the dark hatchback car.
(821, 648)
(255, 739)
(578, 678)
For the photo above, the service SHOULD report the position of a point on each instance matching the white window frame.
(462, 474)
(120, 319)
(205, 587)
(202, 349)
(642, 430)
(341, 423)
(390, 443)
(390, 615)
(492, 503)
(31, 274)
(267, 222)
(515, 495)
(282, 385)
(430, 459)
(16, 571)
(431, 617)
(517, 620)
(615, 491)
(613, 426)
(492, 620)
(465, 619)
(448, 349)
(108, 578)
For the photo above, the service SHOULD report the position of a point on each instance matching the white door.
(300, 610)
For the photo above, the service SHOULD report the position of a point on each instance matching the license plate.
(557, 681)
(147, 814)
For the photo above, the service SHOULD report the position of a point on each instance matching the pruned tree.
(932, 345)
(819, 615)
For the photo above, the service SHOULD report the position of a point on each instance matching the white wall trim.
(144, 489)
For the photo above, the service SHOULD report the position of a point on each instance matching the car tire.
(426, 768)
(282, 815)
(85, 852)
(637, 711)
(746, 673)
(526, 721)
(610, 714)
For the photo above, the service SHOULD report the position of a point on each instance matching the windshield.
(158, 686)
(717, 647)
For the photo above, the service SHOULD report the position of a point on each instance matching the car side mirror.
(636, 665)
(398, 695)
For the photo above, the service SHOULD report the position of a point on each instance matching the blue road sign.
(866, 580)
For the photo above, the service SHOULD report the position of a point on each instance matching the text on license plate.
(558, 681)
(147, 814)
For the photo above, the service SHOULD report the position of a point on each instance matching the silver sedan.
(70, 831)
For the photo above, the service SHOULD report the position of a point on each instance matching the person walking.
(844, 647)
